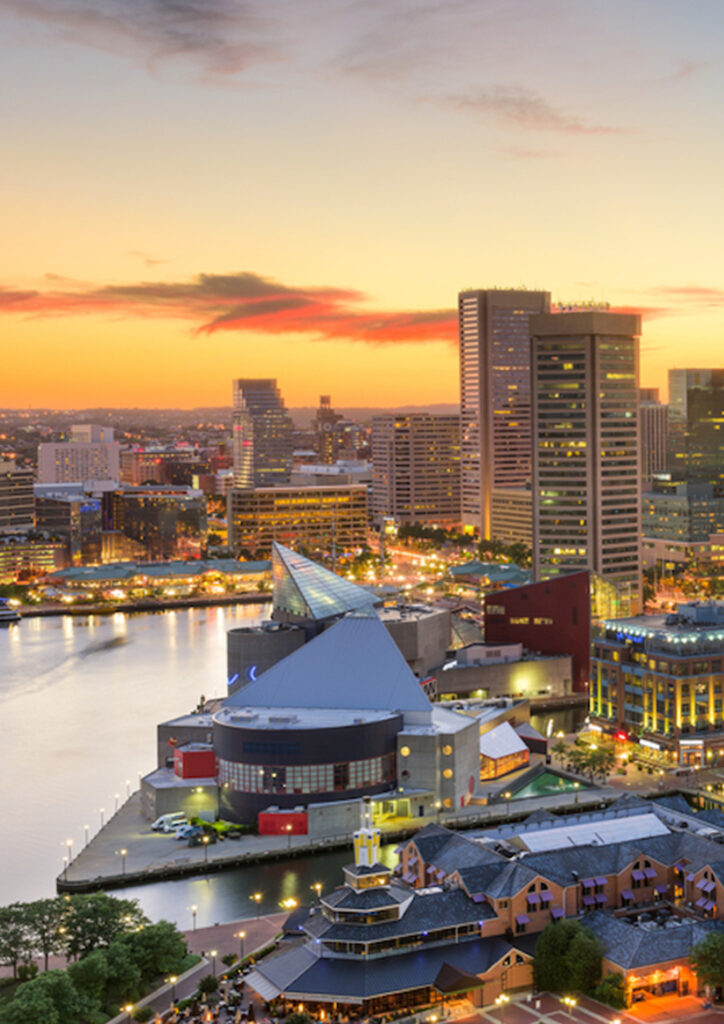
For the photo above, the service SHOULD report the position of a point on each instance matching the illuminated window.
(447, 802)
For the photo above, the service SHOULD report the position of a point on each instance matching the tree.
(45, 923)
(208, 984)
(299, 1018)
(156, 949)
(51, 997)
(611, 991)
(550, 969)
(561, 751)
(97, 919)
(15, 940)
(707, 960)
(583, 961)
(124, 980)
(567, 958)
(90, 976)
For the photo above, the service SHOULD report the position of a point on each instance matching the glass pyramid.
(307, 590)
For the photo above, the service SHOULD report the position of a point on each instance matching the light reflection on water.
(80, 698)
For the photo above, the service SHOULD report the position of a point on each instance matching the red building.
(553, 617)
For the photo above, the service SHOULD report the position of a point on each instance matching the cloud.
(145, 258)
(242, 302)
(523, 109)
(524, 153)
(700, 294)
(224, 37)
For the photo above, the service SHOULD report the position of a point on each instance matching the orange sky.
(212, 190)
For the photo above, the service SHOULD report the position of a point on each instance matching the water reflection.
(80, 698)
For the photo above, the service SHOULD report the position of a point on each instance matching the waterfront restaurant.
(460, 916)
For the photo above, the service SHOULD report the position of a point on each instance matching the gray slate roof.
(366, 899)
(426, 912)
(631, 946)
(354, 664)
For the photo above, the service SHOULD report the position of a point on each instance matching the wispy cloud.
(223, 37)
(522, 109)
(244, 302)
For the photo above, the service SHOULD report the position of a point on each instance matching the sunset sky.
(198, 190)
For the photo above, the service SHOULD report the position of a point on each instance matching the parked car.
(186, 831)
(174, 818)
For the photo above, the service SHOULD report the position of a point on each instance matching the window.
(448, 773)
(447, 750)
(404, 751)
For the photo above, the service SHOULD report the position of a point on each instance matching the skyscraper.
(586, 494)
(91, 455)
(416, 468)
(495, 442)
(654, 426)
(696, 417)
(262, 440)
(327, 436)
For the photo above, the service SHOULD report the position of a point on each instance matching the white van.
(168, 822)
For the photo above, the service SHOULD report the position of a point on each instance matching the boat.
(7, 613)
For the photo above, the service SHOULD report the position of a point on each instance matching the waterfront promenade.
(150, 856)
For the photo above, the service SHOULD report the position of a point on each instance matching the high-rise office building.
(696, 425)
(17, 500)
(416, 468)
(654, 426)
(262, 435)
(495, 443)
(586, 491)
(326, 432)
(91, 454)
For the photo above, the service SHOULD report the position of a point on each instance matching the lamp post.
(118, 797)
(205, 841)
(438, 808)
(317, 886)
(128, 1008)
(570, 1002)
(69, 844)
(122, 855)
(193, 908)
(288, 830)
(65, 868)
(213, 961)
(172, 982)
(240, 936)
(502, 1000)
(128, 788)
(257, 899)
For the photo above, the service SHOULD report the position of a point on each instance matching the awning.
(709, 887)
(522, 919)
(627, 894)
(589, 901)
(601, 897)
(601, 881)
(430, 870)
(452, 979)
(638, 876)
(701, 901)
(408, 877)
(705, 885)
(709, 905)
(588, 883)
(265, 988)
(661, 889)
(690, 878)
(546, 895)
(479, 897)
(556, 912)
(533, 897)
(440, 875)
(650, 873)
(412, 861)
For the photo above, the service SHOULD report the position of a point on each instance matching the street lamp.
(570, 1002)
(257, 899)
(501, 1001)
(240, 936)
(128, 1008)
(172, 982)
(213, 961)
(69, 844)
(193, 908)
(205, 841)
(122, 855)
(289, 903)
(288, 830)
(317, 886)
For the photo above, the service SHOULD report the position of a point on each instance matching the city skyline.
(203, 191)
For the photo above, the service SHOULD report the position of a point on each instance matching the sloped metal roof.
(355, 664)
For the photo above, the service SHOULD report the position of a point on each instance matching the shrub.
(208, 984)
(27, 971)
(611, 991)
(229, 959)
(143, 1013)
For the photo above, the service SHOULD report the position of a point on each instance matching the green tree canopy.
(567, 958)
(45, 920)
(583, 961)
(95, 920)
(611, 991)
(707, 959)
(51, 997)
(15, 937)
(156, 949)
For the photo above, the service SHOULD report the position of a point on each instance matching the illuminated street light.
(193, 908)
(122, 855)
(240, 936)
(257, 899)
(289, 903)
(213, 961)
(172, 982)
(570, 1002)
(288, 830)
(317, 886)
(205, 841)
(87, 830)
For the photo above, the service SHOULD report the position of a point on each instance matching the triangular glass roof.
(307, 590)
